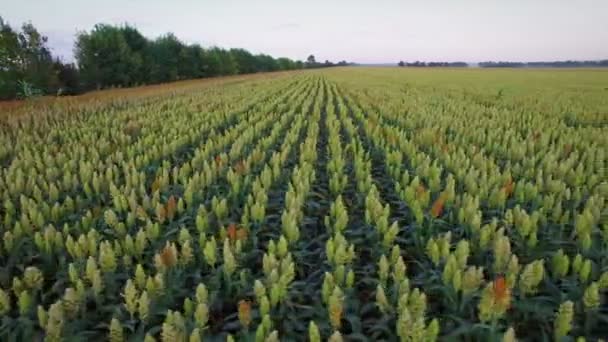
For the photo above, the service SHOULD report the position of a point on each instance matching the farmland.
(343, 204)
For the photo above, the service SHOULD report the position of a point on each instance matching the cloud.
(286, 26)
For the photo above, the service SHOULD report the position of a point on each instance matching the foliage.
(120, 56)
(25, 62)
(117, 56)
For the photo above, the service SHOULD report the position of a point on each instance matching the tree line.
(119, 56)
(552, 64)
(433, 64)
(502, 64)
(312, 63)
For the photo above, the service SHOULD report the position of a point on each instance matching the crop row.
(303, 207)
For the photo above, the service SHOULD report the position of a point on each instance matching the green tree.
(69, 78)
(10, 61)
(26, 64)
(311, 62)
(38, 70)
(286, 64)
(245, 61)
(191, 59)
(164, 54)
(212, 62)
(265, 63)
(138, 45)
(105, 57)
(221, 62)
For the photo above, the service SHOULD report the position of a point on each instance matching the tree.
(265, 63)
(138, 45)
(105, 57)
(10, 69)
(401, 64)
(311, 62)
(212, 62)
(26, 64)
(220, 62)
(191, 60)
(164, 54)
(286, 64)
(245, 61)
(38, 62)
(68, 77)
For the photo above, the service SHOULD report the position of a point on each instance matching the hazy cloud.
(356, 30)
(286, 26)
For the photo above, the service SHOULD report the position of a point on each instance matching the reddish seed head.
(508, 187)
(502, 294)
(168, 256)
(437, 207)
(171, 207)
(241, 234)
(239, 168)
(232, 232)
(245, 312)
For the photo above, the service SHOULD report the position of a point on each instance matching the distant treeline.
(119, 56)
(556, 64)
(433, 64)
(312, 63)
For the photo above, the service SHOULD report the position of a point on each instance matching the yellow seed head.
(432, 331)
(563, 322)
(531, 276)
(560, 264)
(71, 302)
(591, 296)
(131, 297)
(201, 315)
(143, 306)
(585, 271)
(381, 299)
(383, 269)
(116, 331)
(509, 335)
(107, 257)
(313, 332)
(5, 303)
(24, 302)
(335, 307)
(32, 278)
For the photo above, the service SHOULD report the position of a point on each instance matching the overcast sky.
(356, 30)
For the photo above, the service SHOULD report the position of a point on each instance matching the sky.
(379, 31)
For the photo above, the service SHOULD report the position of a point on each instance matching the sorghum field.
(347, 204)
